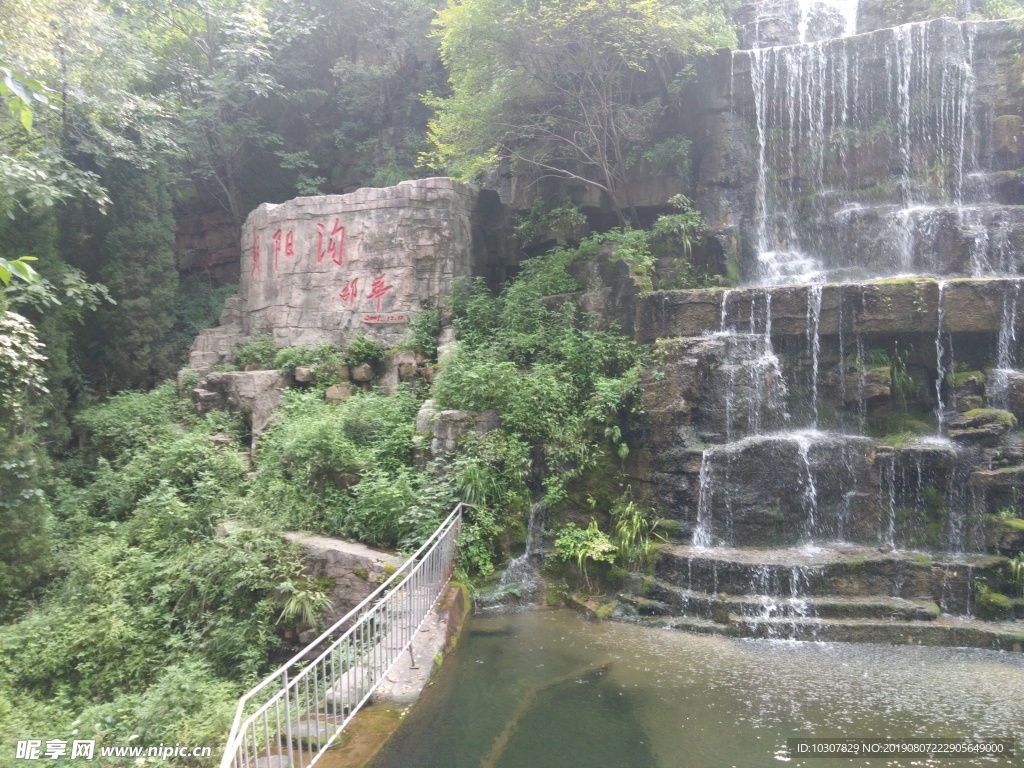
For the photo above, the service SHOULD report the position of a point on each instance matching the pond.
(550, 689)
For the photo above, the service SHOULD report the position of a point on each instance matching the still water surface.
(548, 689)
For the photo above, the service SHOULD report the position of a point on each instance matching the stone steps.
(948, 631)
(666, 598)
(838, 593)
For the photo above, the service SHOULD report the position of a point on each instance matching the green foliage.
(197, 306)
(21, 94)
(19, 268)
(634, 531)
(1017, 573)
(989, 604)
(70, 288)
(25, 560)
(491, 474)
(516, 91)
(362, 349)
(21, 356)
(557, 380)
(347, 469)
(669, 155)
(424, 329)
(323, 360)
(139, 268)
(304, 602)
(583, 546)
(561, 223)
(259, 351)
(903, 385)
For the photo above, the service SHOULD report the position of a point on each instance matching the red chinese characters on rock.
(378, 289)
(289, 246)
(335, 248)
(255, 255)
(350, 293)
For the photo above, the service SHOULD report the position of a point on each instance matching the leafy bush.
(347, 469)
(583, 546)
(423, 332)
(258, 351)
(559, 382)
(363, 349)
(323, 359)
(131, 421)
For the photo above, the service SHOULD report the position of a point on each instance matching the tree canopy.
(563, 87)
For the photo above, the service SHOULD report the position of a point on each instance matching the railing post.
(288, 722)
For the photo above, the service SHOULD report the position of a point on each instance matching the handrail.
(343, 676)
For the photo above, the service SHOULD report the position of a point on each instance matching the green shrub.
(583, 546)
(323, 359)
(362, 349)
(423, 332)
(258, 351)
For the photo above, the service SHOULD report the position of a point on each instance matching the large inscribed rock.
(324, 269)
(329, 268)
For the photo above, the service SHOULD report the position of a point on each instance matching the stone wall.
(325, 269)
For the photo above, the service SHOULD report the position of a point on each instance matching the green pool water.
(551, 689)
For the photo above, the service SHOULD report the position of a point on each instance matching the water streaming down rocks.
(521, 582)
(835, 470)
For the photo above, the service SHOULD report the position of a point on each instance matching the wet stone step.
(836, 571)
(946, 631)
(683, 624)
(718, 608)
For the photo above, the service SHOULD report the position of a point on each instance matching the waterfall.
(810, 494)
(522, 570)
(814, 114)
(1006, 346)
(814, 342)
(702, 533)
(940, 371)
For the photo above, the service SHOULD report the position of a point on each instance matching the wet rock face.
(785, 489)
(325, 269)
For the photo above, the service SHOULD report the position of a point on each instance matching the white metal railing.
(300, 710)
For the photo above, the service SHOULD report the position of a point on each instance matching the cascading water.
(940, 350)
(999, 378)
(521, 577)
(826, 112)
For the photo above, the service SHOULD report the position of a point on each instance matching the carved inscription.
(330, 246)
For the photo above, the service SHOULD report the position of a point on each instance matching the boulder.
(439, 432)
(253, 393)
(982, 425)
(335, 393)
(362, 373)
(406, 365)
(304, 374)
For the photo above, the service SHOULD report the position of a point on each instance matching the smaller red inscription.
(386, 317)
(255, 255)
(350, 293)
